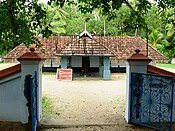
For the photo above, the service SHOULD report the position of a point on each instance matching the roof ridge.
(110, 51)
(85, 32)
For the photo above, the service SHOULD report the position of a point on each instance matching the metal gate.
(33, 90)
(152, 100)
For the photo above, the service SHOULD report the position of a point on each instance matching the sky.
(45, 1)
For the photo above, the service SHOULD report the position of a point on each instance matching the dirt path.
(87, 105)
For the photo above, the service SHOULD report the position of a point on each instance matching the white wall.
(173, 61)
(12, 99)
(28, 68)
(94, 61)
(76, 61)
(116, 63)
(55, 62)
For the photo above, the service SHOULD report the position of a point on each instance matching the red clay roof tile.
(122, 47)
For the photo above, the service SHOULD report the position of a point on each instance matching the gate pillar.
(137, 63)
(32, 62)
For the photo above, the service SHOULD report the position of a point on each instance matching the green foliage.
(155, 37)
(130, 21)
(166, 65)
(47, 106)
(18, 21)
(48, 73)
(54, 20)
(120, 25)
(21, 20)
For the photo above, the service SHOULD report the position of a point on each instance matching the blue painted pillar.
(64, 62)
(101, 68)
(106, 71)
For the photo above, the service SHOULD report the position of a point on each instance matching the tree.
(21, 19)
(161, 28)
(54, 21)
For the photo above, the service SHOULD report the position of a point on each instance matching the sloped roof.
(50, 46)
(17, 51)
(121, 47)
(85, 33)
(85, 45)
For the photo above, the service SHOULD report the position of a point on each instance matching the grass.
(49, 73)
(47, 106)
(166, 65)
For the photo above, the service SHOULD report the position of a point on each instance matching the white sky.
(45, 1)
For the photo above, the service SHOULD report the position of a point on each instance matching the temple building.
(87, 53)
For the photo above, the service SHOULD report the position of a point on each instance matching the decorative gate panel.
(152, 100)
(33, 89)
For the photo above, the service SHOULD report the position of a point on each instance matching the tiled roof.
(54, 44)
(17, 51)
(50, 46)
(125, 46)
(121, 47)
(85, 46)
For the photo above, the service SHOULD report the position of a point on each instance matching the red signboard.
(64, 74)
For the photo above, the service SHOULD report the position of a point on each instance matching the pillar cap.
(138, 57)
(31, 56)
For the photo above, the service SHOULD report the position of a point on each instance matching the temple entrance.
(85, 65)
(85, 104)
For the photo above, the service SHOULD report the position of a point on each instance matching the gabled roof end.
(85, 33)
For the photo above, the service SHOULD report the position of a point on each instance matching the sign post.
(64, 74)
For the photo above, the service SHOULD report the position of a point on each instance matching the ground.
(91, 104)
(83, 105)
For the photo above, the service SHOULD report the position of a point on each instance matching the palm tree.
(155, 37)
(54, 19)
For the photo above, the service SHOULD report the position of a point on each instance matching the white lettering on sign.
(64, 74)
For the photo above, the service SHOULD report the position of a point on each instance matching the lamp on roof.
(146, 40)
(86, 20)
(85, 33)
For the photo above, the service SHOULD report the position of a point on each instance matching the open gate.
(33, 90)
(152, 100)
